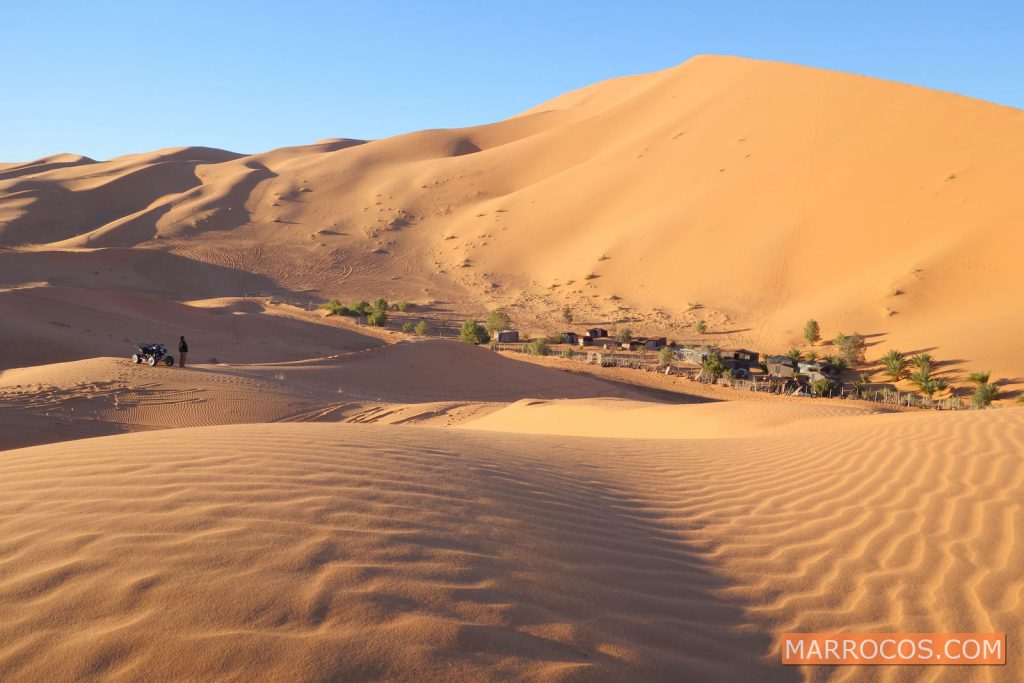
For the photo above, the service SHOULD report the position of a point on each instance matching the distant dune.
(767, 193)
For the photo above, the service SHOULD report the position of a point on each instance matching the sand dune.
(378, 552)
(768, 193)
(444, 512)
(51, 324)
(432, 382)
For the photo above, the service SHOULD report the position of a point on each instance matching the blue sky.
(107, 78)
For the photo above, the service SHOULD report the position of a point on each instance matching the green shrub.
(402, 306)
(713, 366)
(567, 315)
(567, 353)
(407, 328)
(795, 354)
(556, 338)
(538, 347)
(377, 318)
(700, 327)
(421, 328)
(334, 306)
(812, 333)
(984, 394)
(473, 332)
(498, 319)
(851, 347)
(624, 335)
(665, 357)
(822, 387)
(380, 305)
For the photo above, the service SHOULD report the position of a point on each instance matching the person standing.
(182, 351)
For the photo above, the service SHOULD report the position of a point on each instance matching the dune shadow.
(592, 552)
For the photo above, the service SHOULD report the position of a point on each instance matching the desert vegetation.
(812, 332)
(473, 332)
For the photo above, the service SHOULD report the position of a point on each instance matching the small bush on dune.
(795, 354)
(401, 306)
(567, 315)
(421, 328)
(377, 318)
(851, 347)
(700, 327)
(407, 328)
(812, 332)
(624, 335)
(665, 357)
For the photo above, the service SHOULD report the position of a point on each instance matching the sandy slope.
(428, 381)
(626, 419)
(312, 552)
(768, 193)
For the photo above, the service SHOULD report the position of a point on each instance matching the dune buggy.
(151, 354)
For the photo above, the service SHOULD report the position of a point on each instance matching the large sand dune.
(444, 512)
(767, 193)
(326, 552)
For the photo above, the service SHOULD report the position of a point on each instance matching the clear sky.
(107, 78)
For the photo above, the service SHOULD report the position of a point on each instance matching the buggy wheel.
(136, 359)
(151, 360)
(169, 361)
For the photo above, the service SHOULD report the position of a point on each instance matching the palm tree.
(894, 364)
(812, 356)
(837, 362)
(795, 354)
(922, 361)
(927, 383)
(979, 378)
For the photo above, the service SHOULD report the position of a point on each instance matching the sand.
(316, 551)
(766, 193)
(313, 499)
